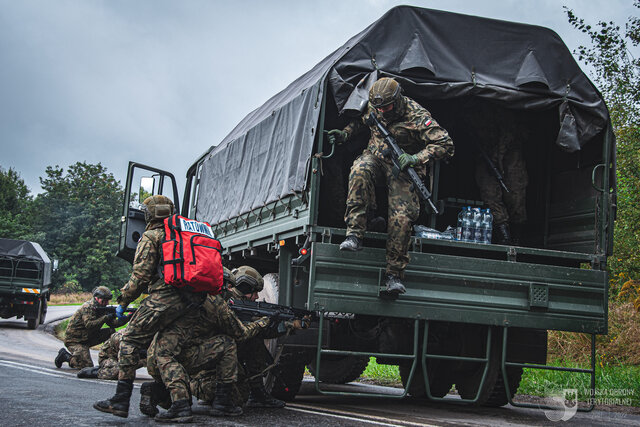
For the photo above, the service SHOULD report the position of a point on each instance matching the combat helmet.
(386, 97)
(157, 207)
(228, 277)
(248, 280)
(102, 292)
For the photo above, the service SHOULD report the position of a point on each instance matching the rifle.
(396, 152)
(247, 310)
(111, 309)
(493, 167)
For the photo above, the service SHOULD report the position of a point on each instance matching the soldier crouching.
(85, 331)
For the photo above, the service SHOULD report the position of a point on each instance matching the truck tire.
(340, 369)
(43, 311)
(33, 323)
(288, 375)
(440, 382)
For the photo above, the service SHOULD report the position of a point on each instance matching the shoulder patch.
(427, 122)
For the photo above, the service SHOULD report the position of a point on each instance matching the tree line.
(75, 220)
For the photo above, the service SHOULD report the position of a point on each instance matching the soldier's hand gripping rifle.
(248, 310)
(396, 152)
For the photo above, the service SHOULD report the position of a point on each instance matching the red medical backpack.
(192, 256)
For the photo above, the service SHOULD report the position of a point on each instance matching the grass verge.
(615, 385)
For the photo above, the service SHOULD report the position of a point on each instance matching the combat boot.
(119, 404)
(63, 356)
(152, 394)
(222, 404)
(394, 286)
(179, 412)
(351, 243)
(259, 398)
(502, 234)
(378, 224)
(90, 372)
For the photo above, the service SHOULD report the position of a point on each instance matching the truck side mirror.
(55, 265)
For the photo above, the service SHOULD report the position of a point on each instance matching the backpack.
(191, 256)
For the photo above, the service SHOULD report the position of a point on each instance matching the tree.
(15, 207)
(79, 212)
(617, 73)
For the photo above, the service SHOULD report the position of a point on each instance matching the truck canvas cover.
(26, 250)
(434, 54)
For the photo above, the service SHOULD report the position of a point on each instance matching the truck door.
(142, 182)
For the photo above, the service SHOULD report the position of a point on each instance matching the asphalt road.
(34, 393)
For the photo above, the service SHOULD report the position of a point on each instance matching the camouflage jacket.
(144, 276)
(85, 322)
(213, 318)
(416, 132)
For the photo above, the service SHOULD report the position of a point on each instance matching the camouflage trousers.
(80, 354)
(203, 386)
(156, 311)
(511, 206)
(108, 369)
(217, 354)
(404, 206)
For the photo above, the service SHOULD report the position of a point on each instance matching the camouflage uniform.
(83, 332)
(164, 304)
(503, 145)
(200, 340)
(108, 358)
(416, 132)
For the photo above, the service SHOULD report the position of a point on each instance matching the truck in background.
(474, 315)
(25, 280)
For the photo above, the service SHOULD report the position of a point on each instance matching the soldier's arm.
(90, 320)
(355, 127)
(438, 143)
(145, 264)
(232, 326)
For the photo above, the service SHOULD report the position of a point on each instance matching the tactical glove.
(406, 160)
(338, 135)
(120, 311)
(111, 320)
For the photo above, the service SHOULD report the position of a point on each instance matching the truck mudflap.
(461, 289)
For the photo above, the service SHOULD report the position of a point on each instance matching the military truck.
(474, 315)
(25, 277)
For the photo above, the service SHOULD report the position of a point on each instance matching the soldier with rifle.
(419, 140)
(501, 173)
(85, 330)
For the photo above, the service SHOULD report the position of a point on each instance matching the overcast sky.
(160, 81)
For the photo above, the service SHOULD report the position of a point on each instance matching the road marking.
(53, 372)
(336, 413)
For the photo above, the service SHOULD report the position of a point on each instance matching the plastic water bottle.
(487, 226)
(477, 225)
(461, 215)
(467, 225)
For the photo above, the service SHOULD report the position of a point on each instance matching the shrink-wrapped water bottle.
(467, 225)
(461, 215)
(487, 226)
(477, 225)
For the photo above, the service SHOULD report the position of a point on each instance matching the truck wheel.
(468, 381)
(440, 381)
(43, 311)
(33, 323)
(289, 373)
(340, 369)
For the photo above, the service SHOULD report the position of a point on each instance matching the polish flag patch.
(428, 122)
